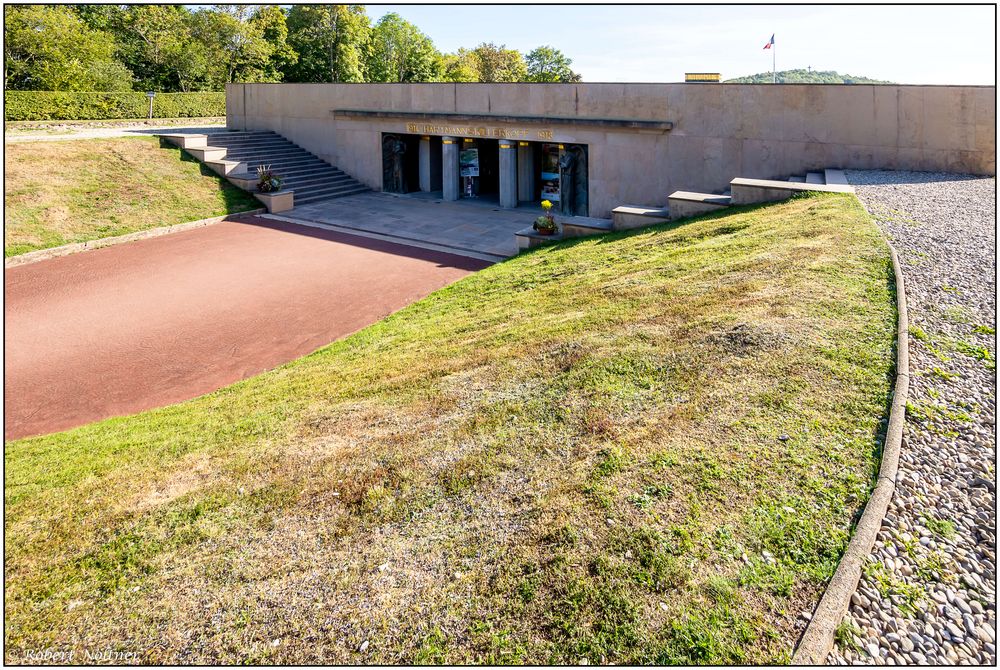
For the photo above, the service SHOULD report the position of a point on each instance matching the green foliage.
(460, 66)
(942, 527)
(168, 48)
(61, 105)
(48, 47)
(330, 41)
(499, 64)
(547, 64)
(805, 77)
(399, 52)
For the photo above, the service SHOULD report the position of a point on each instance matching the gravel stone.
(938, 540)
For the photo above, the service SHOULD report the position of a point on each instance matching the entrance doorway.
(529, 173)
(479, 169)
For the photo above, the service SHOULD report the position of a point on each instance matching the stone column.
(425, 164)
(449, 168)
(525, 172)
(508, 173)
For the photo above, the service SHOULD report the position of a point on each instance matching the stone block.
(279, 201)
(207, 153)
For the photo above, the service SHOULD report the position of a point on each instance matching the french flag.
(770, 44)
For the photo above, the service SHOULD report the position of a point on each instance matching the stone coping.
(658, 212)
(662, 126)
(534, 234)
(818, 638)
(704, 198)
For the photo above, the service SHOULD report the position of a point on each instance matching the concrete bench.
(751, 191)
(627, 217)
(277, 201)
(186, 140)
(689, 203)
(207, 153)
(582, 226)
(244, 180)
(223, 167)
(836, 177)
(530, 238)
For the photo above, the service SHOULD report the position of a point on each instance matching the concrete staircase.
(682, 204)
(236, 155)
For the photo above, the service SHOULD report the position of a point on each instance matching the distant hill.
(806, 77)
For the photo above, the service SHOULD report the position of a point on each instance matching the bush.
(86, 105)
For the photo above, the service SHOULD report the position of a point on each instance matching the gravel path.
(928, 592)
(71, 132)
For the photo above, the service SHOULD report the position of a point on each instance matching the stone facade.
(694, 137)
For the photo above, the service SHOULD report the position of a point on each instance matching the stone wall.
(720, 131)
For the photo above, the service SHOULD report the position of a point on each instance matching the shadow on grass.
(236, 199)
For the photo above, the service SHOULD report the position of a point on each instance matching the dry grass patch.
(58, 193)
(638, 448)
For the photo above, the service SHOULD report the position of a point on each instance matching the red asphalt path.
(126, 328)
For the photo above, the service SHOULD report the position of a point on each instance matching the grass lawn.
(637, 448)
(56, 193)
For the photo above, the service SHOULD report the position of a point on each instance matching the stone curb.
(817, 639)
(77, 247)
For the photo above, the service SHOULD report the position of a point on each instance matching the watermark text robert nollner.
(70, 656)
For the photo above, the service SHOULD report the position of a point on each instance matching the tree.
(461, 66)
(157, 44)
(546, 64)
(499, 64)
(50, 48)
(237, 50)
(330, 41)
(271, 21)
(399, 52)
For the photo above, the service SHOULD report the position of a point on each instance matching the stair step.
(690, 203)
(309, 177)
(342, 194)
(323, 168)
(579, 226)
(797, 179)
(627, 217)
(751, 191)
(285, 165)
(815, 178)
(703, 198)
(319, 181)
(836, 177)
(274, 156)
(256, 144)
(317, 190)
(208, 153)
(529, 238)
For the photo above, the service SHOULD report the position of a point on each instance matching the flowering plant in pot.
(267, 180)
(546, 223)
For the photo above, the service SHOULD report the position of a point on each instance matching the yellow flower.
(546, 205)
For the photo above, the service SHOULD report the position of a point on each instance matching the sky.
(904, 44)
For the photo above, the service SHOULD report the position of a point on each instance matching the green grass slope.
(636, 448)
(62, 192)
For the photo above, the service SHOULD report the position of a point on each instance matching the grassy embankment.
(640, 448)
(59, 192)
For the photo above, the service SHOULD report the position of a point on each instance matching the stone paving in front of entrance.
(477, 226)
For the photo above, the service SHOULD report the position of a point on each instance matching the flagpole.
(774, 61)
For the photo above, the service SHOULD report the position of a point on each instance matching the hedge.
(84, 105)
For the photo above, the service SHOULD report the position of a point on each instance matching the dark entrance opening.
(480, 168)
(400, 163)
(555, 172)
